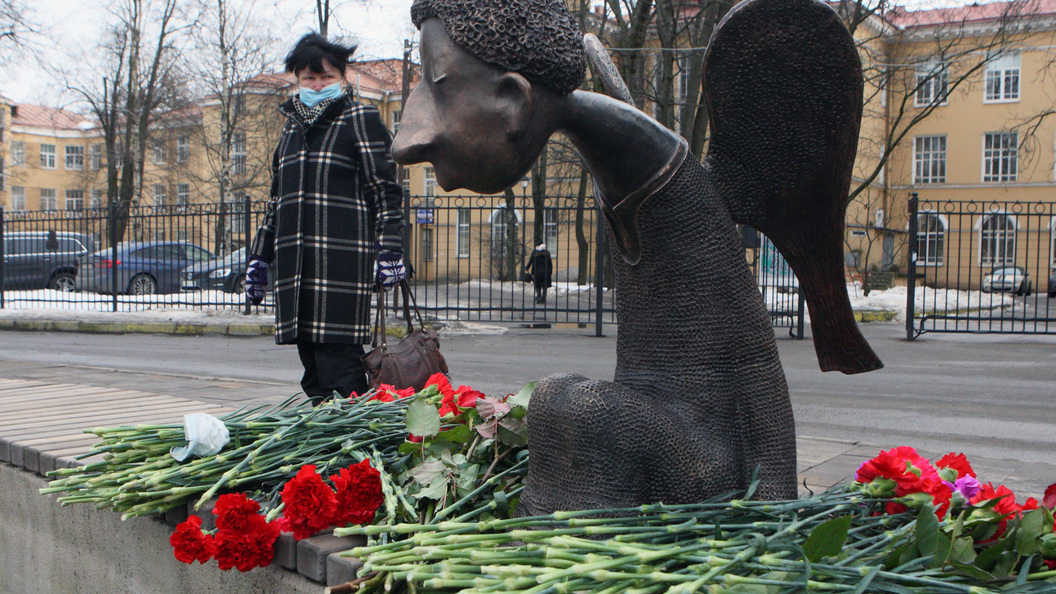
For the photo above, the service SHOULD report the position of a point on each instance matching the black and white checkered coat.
(333, 194)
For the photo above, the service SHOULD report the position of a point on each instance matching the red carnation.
(189, 543)
(249, 548)
(358, 493)
(1049, 499)
(309, 503)
(442, 385)
(233, 509)
(1006, 506)
(467, 397)
(382, 394)
(957, 462)
(911, 473)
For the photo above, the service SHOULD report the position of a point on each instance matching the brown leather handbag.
(410, 362)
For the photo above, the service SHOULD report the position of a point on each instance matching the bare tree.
(15, 27)
(138, 82)
(232, 49)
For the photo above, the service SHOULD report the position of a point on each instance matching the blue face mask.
(312, 98)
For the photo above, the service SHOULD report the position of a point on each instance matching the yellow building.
(980, 81)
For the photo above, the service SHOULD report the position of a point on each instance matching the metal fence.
(467, 254)
(981, 267)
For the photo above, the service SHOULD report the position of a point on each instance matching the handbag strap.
(379, 324)
(408, 297)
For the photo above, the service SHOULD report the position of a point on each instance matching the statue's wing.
(783, 84)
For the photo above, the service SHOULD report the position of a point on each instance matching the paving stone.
(286, 551)
(5, 450)
(341, 569)
(177, 515)
(17, 454)
(205, 513)
(313, 551)
(47, 462)
(31, 460)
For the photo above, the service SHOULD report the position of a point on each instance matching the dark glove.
(389, 269)
(256, 280)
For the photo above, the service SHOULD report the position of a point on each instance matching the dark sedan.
(142, 268)
(227, 274)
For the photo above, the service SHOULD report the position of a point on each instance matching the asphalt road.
(986, 395)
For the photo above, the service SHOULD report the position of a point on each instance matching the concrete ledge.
(177, 328)
(46, 548)
(312, 553)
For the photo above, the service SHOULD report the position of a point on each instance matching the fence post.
(911, 266)
(598, 275)
(801, 305)
(113, 255)
(2, 254)
(246, 240)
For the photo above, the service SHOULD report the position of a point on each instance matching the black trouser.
(330, 367)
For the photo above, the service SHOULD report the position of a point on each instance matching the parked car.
(43, 259)
(1010, 279)
(1052, 283)
(142, 268)
(226, 274)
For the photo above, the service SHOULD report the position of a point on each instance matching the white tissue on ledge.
(206, 435)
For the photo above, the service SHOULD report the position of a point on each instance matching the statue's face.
(466, 117)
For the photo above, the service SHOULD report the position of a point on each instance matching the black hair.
(312, 49)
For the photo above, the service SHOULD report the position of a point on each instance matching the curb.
(864, 316)
(175, 328)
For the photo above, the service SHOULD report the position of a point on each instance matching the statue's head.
(493, 75)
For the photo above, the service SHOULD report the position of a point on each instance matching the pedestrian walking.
(332, 232)
(540, 267)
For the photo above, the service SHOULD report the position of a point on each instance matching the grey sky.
(379, 26)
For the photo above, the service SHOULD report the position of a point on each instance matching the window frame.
(429, 182)
(95, 156)
(462, 244)
(992, 156)
(76, 199)
(238, 153)
(928, 159)
(933, 242)
(74, 157)
(1006, 70)
(163, 194)
(160, 158)
(991, 239)
(183, 195)
(18, 153)
(53, 200)
(48, 158)
(939, 74)
(18, 192)
(183, 149)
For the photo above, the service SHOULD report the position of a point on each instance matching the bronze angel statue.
(699, 402)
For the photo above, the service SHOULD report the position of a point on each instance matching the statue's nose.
(410, 146)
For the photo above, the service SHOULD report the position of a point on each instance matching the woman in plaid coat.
(335, 209)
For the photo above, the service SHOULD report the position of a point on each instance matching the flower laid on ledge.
(243, 538)
(310, 505)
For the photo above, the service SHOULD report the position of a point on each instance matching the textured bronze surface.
(699, 401)
(536, 38)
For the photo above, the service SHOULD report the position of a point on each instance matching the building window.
(18, 153)
(238, 153)
(504, 221)
(18, 198)
(159, 195)
(430, 182)
(929, 159)
(550, 228)
(97, 199)
(159, 153)
(74, 158)
(239, 107)
(932, 84)
(997, 241)
(931, 239)
(48, 201)
(3, 175)
(47, 156)
(405, 181)
(182, 235)
(183, 149)
(462, 238)
(396, 115)
(95, 155)
(427, 244)
(1002, 79)
(159, 235)
(1000, 156)
(183, 194)
(74, 199)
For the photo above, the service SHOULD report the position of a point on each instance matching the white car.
(1010, 279)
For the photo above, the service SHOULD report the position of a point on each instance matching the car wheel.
(142, 284)
(61, 281)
